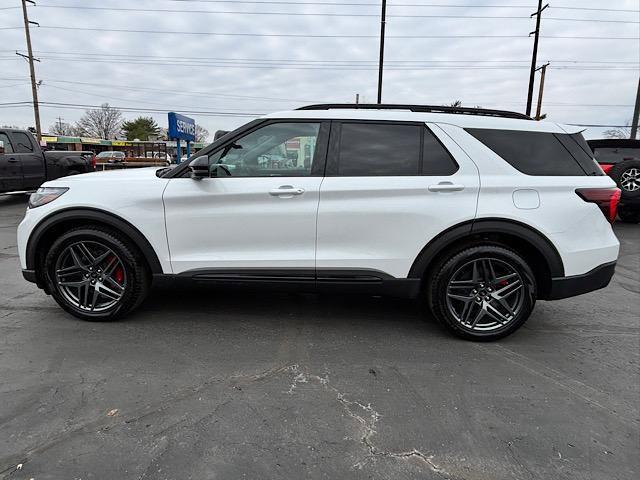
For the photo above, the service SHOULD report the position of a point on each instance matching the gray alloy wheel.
(485, 294)
(90, 276)
(630, 180)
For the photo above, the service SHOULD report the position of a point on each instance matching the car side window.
(275, 150)
(379, 149)
(7, 144)
(436, 159)
(23, 142)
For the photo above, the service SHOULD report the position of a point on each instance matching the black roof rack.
(419, 108)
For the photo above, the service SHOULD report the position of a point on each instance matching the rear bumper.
(564, 287)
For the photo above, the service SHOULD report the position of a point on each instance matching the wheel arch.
(62, 220)
(529, 242)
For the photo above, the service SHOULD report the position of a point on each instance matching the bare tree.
(104, 122)
(619, 132)
(63, 129)
(202, 134)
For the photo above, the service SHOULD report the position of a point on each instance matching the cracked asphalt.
(204, 384)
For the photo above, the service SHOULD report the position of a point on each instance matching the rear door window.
(22, 142)
(436, 160)
(538, 153)
(379, 149)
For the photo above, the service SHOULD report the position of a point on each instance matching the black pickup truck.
(24, 166)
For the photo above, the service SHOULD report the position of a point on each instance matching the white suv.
(482, 212)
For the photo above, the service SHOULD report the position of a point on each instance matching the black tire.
(619, 170)
(134, 274)
(450, 282)
(629, 215)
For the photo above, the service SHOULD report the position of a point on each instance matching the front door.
(31, 159)
(258, 208)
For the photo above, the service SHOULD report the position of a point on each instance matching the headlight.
(44, 195)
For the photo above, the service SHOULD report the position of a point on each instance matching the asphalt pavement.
(202, 384)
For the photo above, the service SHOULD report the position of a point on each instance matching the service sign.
(182, 127)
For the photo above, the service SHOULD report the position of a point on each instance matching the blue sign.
(181, 127)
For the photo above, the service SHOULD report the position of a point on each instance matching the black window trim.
(333, 152)
(319, 156)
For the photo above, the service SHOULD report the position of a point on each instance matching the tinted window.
(23, 143)
(580, 150)
(369, 149)
(533, 153)
(436, 160)
(7, 144)
(279, 149)
(611, 154)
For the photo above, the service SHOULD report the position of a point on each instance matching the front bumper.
(564, 287)
(29, 275)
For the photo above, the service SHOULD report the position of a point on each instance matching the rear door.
(28, 153)
(390, 188)
(10, 168)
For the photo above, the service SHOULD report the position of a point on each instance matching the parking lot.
(202, 384)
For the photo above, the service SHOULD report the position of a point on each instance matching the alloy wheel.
(630, 180)
(90, 276)
(485, 294)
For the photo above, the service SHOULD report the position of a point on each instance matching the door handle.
(446, 187)
(13, 160)
(286, 191)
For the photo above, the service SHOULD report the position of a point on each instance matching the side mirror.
(199, 168)
(1, 147)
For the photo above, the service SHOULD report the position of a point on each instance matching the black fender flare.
(488, 225)
(91, 215)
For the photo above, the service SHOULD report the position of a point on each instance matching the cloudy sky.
(225, 62)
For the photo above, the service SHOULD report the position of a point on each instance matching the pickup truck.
(24, 166)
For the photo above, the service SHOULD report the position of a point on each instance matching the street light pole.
(383, 21)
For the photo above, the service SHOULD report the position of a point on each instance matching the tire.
(502, 287)
(626, 174)
(103, 256)
(629, 215)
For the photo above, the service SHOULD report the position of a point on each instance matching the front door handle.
(13, 160)
(446, 187)
(286, 191)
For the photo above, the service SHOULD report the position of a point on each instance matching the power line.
(327, 14)
(309, 35)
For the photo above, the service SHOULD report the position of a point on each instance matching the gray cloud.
(570, 94)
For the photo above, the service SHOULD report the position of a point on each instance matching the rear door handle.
(286, 191)
(446, 187)
(13, 160)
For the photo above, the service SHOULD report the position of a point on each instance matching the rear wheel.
(483, 292)
(95, 274)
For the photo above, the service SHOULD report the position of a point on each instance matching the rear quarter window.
(22, 142)
(540, 153)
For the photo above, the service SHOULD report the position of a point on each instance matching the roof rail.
(418, 108)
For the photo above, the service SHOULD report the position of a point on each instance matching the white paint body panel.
(134, 195)
(236, 223)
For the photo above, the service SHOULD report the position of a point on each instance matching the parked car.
(110, 157)
(481, 212)
(24, 166)
(620, 159)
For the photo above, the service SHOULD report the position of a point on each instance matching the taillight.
(606, 167)
(93, 161)
(606, 198)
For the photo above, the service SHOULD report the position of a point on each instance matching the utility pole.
(383, 21)
(636, 114)
(534, 58)
(32, 70)
(542, 75)
(59, 124)
(357, 98)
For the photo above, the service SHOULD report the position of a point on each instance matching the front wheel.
(483, 293)
(96, 274)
